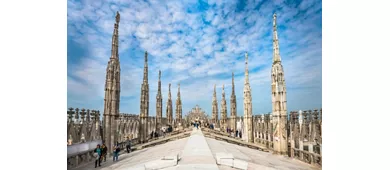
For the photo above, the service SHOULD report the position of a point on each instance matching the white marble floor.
(256, 159)
(198, 152)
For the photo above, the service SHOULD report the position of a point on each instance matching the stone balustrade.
(83, 126)
(303, 130)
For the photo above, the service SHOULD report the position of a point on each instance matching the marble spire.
(279, 99)
(248, 125)
(112, 90)
(223, 110)
(144, 109)
(233, 106)
(144, 106)
(178, 106)
(169, 106)
(159, 100)
(215, 106)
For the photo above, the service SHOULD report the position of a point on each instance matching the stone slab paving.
(196, 153)
(256, 159)
(199, 152)
(126, 161)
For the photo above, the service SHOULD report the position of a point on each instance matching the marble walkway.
(198, 152)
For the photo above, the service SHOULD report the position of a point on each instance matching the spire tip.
(117, 17)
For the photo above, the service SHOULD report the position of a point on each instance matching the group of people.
(235, 134)
(100, 152)
(196, 124)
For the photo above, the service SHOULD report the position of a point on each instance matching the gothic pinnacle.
(223, 90)
(232, 83)
(146, 68)
(276, 55)
(215, 93)
(178, 90)
(246, 69)
(169, 91)
(117, 17)
(146, 56)
(114, 47)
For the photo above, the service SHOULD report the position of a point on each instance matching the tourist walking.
(97, 154)
(116, 150)
(104, 152)
(128, 145)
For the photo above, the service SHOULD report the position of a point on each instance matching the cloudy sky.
(196, 43)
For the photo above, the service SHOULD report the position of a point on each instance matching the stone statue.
(82, 138)
(117, 17)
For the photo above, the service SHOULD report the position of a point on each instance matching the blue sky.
(196, 43)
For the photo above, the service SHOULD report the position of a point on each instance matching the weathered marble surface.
(198, 152)
(256, 159)
(141, 156)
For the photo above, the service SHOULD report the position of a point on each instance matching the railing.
(308, 157)
(80, 154)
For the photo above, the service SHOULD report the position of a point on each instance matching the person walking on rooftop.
(128, 145)
(97, 154)
(116, 150)
(104, 152)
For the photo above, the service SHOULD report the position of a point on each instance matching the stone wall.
(304, 131)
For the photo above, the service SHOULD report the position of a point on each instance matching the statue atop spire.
(146, 57)
(117, 17)
(146, 68)
(246, 69)
(276, 56)
(178, 90)
(169, 90)
(115, 43)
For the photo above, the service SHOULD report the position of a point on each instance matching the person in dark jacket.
(128, 145)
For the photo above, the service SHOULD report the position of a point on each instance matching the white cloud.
(190, 51)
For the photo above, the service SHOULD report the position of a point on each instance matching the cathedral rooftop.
(200, 152)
